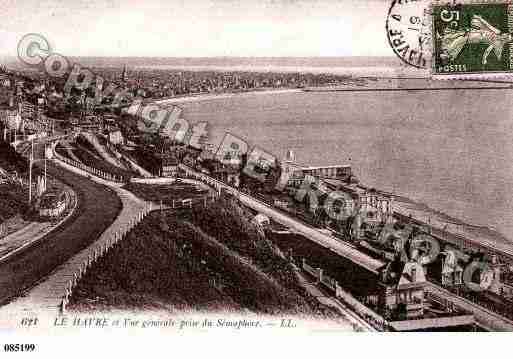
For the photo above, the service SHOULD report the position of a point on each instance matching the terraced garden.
(91, 158)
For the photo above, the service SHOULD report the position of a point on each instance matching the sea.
(451, 150)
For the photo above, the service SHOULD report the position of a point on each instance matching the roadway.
(98, 206)
(343, 249)
(45, 299)
(484, 317)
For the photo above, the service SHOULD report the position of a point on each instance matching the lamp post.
(31, 162)
(31, 159)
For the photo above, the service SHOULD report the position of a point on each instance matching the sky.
(199, 28)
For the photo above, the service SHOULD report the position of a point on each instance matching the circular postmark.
(408, 31)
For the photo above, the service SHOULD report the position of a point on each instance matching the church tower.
(124, 74)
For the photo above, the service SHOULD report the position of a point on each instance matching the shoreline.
(304, 69)
(372, 84)
(439, 217)
(212, 96)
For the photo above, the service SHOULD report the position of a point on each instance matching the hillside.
(172, 264)
(13, 197)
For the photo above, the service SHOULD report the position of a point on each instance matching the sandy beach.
(209, 96)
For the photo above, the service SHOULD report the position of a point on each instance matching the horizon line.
(224, 57)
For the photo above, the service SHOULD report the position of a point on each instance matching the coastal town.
(131, 205)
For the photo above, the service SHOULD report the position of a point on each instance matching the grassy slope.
(176, 264)
(13, 200)
(12, 161)
(12, 197)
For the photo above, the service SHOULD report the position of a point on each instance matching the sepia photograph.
(280, 168)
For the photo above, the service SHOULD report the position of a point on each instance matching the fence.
(3, 229)
(97, 251)
(311, 270)
(203, 178)
(91, 170)
(368, 314)
(329, 282)
(502, 308)
(189, 202)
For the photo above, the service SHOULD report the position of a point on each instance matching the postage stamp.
(472, 38)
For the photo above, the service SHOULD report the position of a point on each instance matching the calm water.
(452, 150)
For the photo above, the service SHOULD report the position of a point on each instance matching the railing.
(371, 317)
(94, 171)
(97, 251)
(311, 270)
(188, 202)
(329, 282)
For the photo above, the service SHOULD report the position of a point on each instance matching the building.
(373, 210)
(115, 137)
(11, 119)
(233, 178)
(340, 172)
(227, 174)
(491, 278)
(124, 74)
(52, 204)
(291, 175)
(402, 292)
(169, 166)
(261, 220)
(452, 272)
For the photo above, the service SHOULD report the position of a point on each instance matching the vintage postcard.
(254, 170)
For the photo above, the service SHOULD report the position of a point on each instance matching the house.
(282, 203)
(342, 172)
(169, 166)
(452, 272)
(233, 178)
(225, 173)
(261, 220)
(115, 137)
(402, 293)
(491, 277)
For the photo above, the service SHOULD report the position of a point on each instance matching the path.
(486, 318)
(330, 301)
(45, 297)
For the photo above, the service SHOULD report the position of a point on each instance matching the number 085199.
(19, 347)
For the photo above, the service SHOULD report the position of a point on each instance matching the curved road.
(98, 206)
